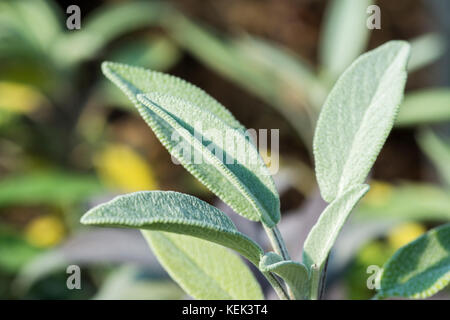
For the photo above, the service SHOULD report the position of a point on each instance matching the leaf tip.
(106, 66)
(89, 217)
(402, 49)
(85, 219)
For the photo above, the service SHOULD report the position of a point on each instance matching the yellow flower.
(405, 233)
(45, 231)
(379, 193)
(122, 168)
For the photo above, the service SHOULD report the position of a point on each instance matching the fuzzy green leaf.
(425, 107)
(324, 233)
(173, 212)
(295, 274)
(357, 118)
(203, 269)
(181, 114)
(419, 269)
(135, 80)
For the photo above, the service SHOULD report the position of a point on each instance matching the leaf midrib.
(246, 250)
(228, 174)
(363, 121)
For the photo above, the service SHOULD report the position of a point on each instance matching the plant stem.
(323, 278)
(318, 277)
(315, 282)
(277, 242)
(278, 287)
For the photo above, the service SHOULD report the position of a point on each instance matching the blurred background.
(70, 140)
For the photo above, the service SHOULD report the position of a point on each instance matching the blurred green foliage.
(56, 120)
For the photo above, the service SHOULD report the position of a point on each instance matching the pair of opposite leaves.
(352, 128)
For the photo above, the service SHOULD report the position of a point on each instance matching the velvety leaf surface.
(203, 269)
(173, 212)
(324, 233)
(135, 80)
(357, 118)
(180, 114)
(419, 269)
(295, 274)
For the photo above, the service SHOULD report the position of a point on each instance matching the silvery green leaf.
(324, 233)
(157, 53)
(419, 269)
(181, 114)
(173, 212)
(135, 80)
(344, 35)
(357, 117)
(295, 274)
(203, 269)
(425, 107)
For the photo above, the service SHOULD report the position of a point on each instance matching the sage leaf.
(419, 269)
(203, 269)
(357, 117)
(324, 233)
(295, 274)
(135, 80)
(173, 212)
(181, 114)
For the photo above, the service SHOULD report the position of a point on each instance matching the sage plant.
(191, 238)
